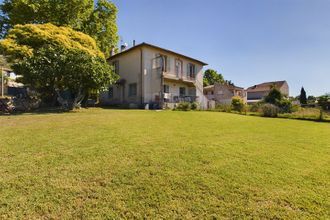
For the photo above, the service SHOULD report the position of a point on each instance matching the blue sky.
(249, 42)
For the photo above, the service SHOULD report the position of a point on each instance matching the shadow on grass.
(288, 117)
(59, 110)
(40, 111)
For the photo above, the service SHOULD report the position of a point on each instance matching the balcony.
(180, 77)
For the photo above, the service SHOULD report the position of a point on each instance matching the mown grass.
(101, 163)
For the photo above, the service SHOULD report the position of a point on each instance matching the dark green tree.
(303, 97)
(311, 99)
(324, 101)
(211, 76)
(274, 96)
(97, 20)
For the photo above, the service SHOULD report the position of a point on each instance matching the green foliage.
(269, 110)
(311, 99)
(223, 108)
(237, 104)
(324, 102)
(211, 77)
(285, 106)
(273, 97)
(54, 60)
(255, 107)
(194, 106)
(183, 106)
(302, 97)
(23, 40)
(98, 20)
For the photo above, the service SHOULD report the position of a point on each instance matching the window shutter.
(168, 64)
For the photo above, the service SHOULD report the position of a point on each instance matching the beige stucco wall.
(285, 89)
(130, 71)
(151, 81)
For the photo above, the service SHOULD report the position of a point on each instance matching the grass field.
(101, 163)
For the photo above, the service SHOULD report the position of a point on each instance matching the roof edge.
(156, 47)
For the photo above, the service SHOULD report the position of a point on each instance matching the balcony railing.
(168, 97)
(182, 76)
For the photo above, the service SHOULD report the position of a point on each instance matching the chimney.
(123, 47)
(133, 43)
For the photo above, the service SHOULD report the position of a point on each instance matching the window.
(178, 67)
(161, 62)
(115, 65)
(182, 91)
(166, 89)
(132, 89)
(191, 70)
(110, 93)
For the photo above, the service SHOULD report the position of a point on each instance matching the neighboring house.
(10, 87)
(154, 77)
(257, 92)
(223, 93)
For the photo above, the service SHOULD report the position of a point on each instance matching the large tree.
(303, 97)
(97, 20)
(212, 76)
(57, 62)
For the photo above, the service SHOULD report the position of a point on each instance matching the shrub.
(269, 110)
(237, 104)
(324, 102)
(255, 107)
(223, 108)
(285, 106)
(183, 106)
(273, 97)
(194, 105)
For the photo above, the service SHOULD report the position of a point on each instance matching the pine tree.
(303, 97)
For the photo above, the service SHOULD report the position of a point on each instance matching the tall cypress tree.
(303, 97)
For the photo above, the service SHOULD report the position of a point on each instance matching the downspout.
(141, 69)
(162, 86)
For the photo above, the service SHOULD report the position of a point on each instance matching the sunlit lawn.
(101, 163)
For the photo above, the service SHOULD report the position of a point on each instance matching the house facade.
(154, 77)
(257, 92)
(10, 87)
(223, 93)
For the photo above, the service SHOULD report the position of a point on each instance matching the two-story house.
(155, 77)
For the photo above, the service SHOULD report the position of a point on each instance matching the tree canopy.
(274, 96)
(303, 97)
(57, 60)
(212, 76)
(23, 40)
(97, 20)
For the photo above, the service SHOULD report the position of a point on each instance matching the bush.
(183, 106)
(255, 107)
(194, 105)
(237, 104)
(223, 108)
(285, 106)
(269, 110)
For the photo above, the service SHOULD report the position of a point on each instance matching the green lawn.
(101, 163)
